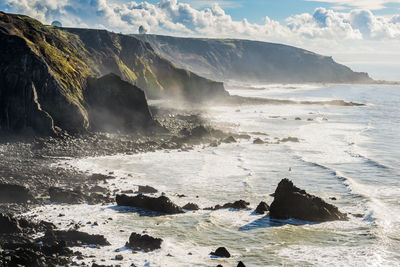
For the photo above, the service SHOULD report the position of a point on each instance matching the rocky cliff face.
(115, 104)
(251, 61)
(44, 73)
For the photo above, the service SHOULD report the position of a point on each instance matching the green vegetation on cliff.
(251, 61)
(44, 70)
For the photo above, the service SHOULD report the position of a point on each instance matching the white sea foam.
(339, 155)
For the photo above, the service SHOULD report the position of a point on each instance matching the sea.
(347, 155)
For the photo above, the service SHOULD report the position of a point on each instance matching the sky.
(364, 34)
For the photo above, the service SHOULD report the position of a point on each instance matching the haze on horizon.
(363, 34)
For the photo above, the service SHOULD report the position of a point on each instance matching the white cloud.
(363, 4)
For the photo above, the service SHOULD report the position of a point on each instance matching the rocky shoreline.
(29, 179)
(30, 176)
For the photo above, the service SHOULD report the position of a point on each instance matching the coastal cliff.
(251, 61)
(44, 74)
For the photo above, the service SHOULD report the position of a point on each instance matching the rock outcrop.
(292, 202)
(262, 208)
(74, 238)
(221, 252)
(161, 204)
(146, 243)
(114, 104)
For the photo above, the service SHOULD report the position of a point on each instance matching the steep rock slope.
(252, 61)
(44, 72)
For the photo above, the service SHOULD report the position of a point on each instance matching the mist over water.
(349, 153)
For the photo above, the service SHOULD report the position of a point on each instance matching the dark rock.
(60, 195)
(241, 264)
(290, 139)
(11, 193)
(74, 238)
(258, 141)
(114, 104)
(297, 119)
(200, 132)
(161, 204)
(97, 177)
(146, 189)
(8, 224)
(143, 242)
(221, 252)
(239, 204)
(292, 202)
(229, 139)
(191, 206)
(119, 257)
(262, 208)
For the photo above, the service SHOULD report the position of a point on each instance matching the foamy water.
(350, 153)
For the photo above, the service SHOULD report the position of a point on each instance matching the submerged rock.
(262, 208)
(292, 202)
(12, 193)
(290, 139)
(221, 252)
(191, 206)
(146, 189)
(258, 141)
(161, 204)
(143, 242)
(229, 140)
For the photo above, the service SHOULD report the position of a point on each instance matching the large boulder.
(293, 202)
(143, 242)
(221, 252)
(262, 208)
(161, 204)
(74, 238)
(116, 105)
(11, 193)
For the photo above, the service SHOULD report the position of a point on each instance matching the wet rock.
(146, 243)
(221, 252)
(290, 139)
(199, 132)
(241, 264)
(98, 189)
(74, 238)
(60, 195)
(97, 177)
(258, 141)
(161, 204)
(229, 140)
(11, 193)
(292, 202)
(146, 189)
(262, 208)
(191, 206)
(239, 204)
